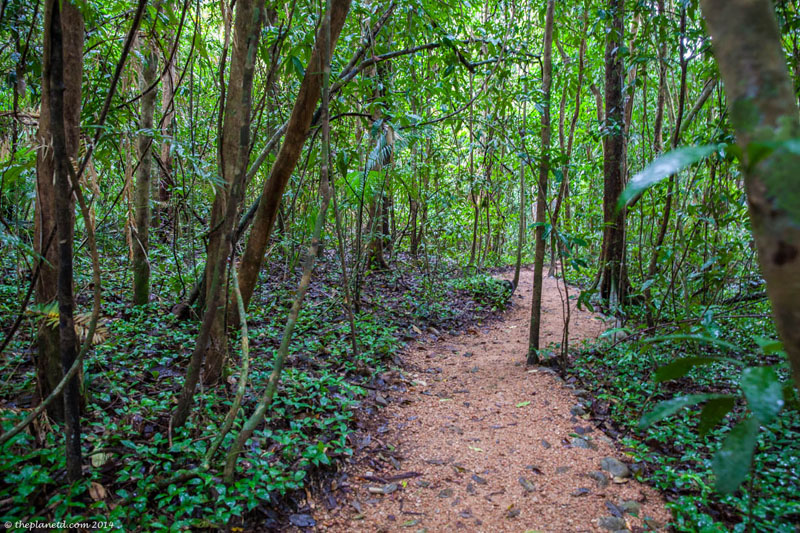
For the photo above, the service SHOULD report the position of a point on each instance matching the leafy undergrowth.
(671, 454)
(131, 384)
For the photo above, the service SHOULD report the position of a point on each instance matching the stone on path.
(615, 467)
(613, 523)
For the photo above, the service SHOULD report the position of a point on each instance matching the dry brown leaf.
(97, 491)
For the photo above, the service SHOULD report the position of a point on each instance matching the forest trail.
(490, 444)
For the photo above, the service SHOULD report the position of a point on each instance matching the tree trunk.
(475, 197)
(563, 192)
(48, 367)
(65, 222)
(612, 273)
(287, 158)
(235, 144)
(541, 195)
(521, 233)
(326, 190)
(747, 45)
(165, 183)
(141, 233)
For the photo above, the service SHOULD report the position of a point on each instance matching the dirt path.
(489, 445)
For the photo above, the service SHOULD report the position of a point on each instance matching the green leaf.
(670, 407)
(298, 67)
(713, 413)
(663, 167)
(523, 404)
(732, 462)
(763, 391)
(678, 369)
(702, 339)
(768, 346)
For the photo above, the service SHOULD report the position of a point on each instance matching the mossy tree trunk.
(141, 234)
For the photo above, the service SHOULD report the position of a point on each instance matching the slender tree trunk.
(664, 224)
(747, 45)
(541, 195)
(165, 183)
(475, 197)
(48, 365)
(413, 209)
(658, 123)
(211, 341)
(563, 192)
(65, 221)
(378, 212)
(287, 158)
(522, 214)
(257, 417)
(141, 233)
(612, 280)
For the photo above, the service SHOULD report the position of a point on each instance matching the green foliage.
(700, 444)
(485, 289)
(760, 386)
(733, 460)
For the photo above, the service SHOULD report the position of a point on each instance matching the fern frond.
(49, 314)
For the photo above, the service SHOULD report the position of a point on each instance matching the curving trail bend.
(475, 441)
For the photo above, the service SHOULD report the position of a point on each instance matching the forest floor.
(473, 440)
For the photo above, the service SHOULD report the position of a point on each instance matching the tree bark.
(141, 230)
(65, 221)
(612, 271)
(747, 45)
(541, 195)
(48, 364)
(234, 157)
(165, 182)
(287, 158)
(664, 224)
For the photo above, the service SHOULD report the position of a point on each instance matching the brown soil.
(479, 442)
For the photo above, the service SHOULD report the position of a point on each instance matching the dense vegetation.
(233, 215)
